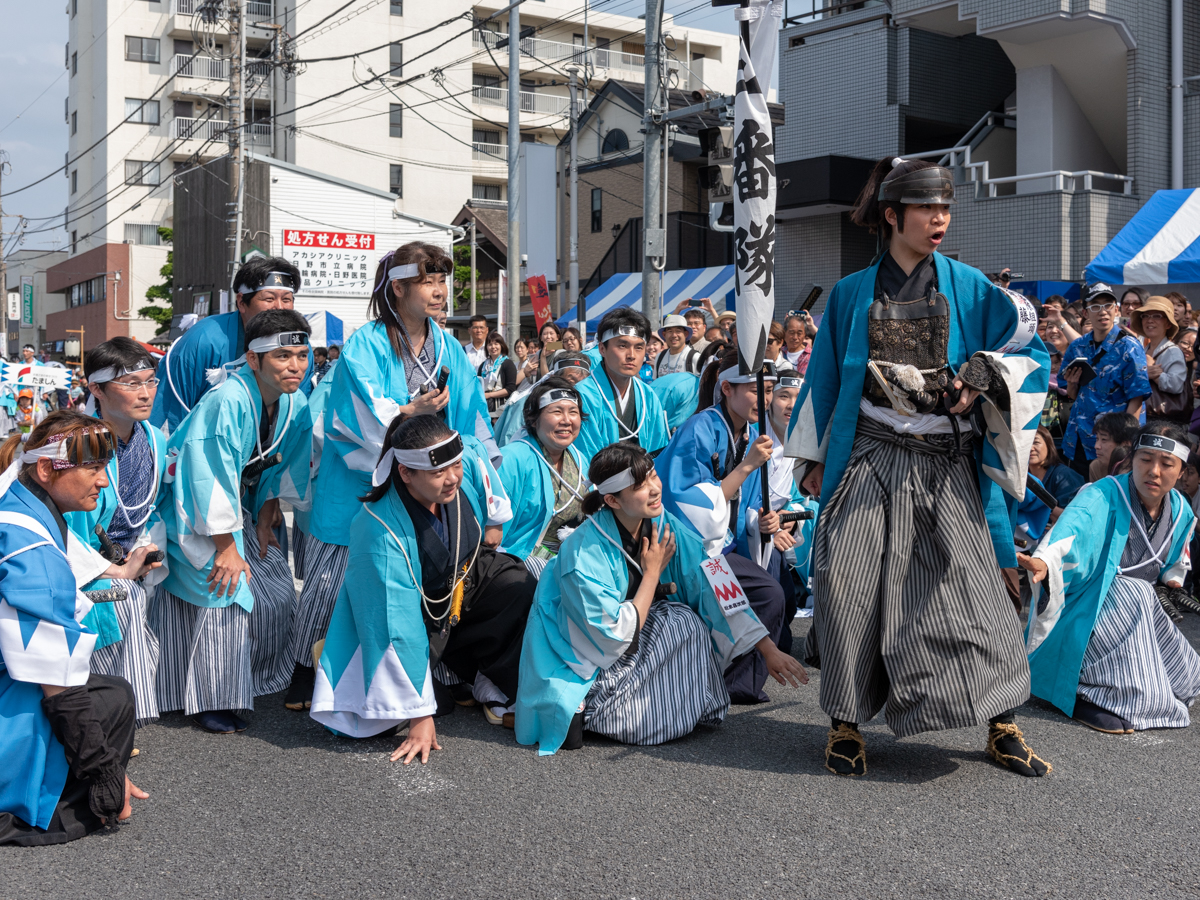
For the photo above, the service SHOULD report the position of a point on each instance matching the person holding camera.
(1104, 372)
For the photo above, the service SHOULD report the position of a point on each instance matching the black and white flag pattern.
(754, 179)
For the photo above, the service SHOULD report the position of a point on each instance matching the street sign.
(27, 301)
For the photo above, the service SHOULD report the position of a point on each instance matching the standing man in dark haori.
(915, 423)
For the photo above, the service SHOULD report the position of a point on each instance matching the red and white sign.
(725, 585)
(539, 297)
(332, 262)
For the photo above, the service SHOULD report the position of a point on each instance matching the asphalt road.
(744, 810)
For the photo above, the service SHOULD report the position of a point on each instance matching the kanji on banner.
(539, 297)
(331, 262)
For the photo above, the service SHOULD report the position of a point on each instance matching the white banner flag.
(754, 179)
(45, 377)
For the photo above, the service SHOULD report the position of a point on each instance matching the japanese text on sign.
(725, 585)
(332, 262)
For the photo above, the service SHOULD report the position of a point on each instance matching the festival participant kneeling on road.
(1101, 648)
(545, 475)
(65, 732)
(711, 471)
(422, 593)
(619, 405)
(510, 425)
(910, 613)
(121, 379)
(607, 652)
(223, 613)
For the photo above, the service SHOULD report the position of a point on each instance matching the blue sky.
(34, 135)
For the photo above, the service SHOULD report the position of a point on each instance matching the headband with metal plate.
(556, 394)
(412, 270)
(1157, 442)
(733, 376)
(67, 451)
(622, 331)
(273, 280)
(932, 184)
(572, 361)
(615, 483)
(276, 341)
(427, 459)
(112, 373)
(790, 382)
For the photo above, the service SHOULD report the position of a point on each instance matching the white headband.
(427, 459)
(1177, 449)
(408, 270)
(273, 280)
(281, 339)
(553, 396)
(619, 330)
(111, 373)
(618, 482)
(789, 382)
(732, 376)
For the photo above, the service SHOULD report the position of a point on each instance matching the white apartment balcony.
(212, 135)
(182, 19)
(490, 153)
(533, 103)
(202, 75)
(255, 9)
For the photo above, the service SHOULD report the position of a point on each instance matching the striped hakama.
(666, 687)
(909, 611)
(1138, 665)
(325, 568)
(135, 656)
(217, 658)
(298, 539)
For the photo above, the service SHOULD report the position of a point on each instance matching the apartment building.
(1053, 114)
(404, 96)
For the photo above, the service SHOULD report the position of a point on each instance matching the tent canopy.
(326, 329)
(1159, 245)
(625, 289)
(1041, 290)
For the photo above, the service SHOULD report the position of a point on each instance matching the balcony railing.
(540, 104)
(255, 9)
(183, 128)
(556, 51)
(200, 66)
(493, 153)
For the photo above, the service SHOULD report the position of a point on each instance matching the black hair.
(608, 462)
(532, 411)
(713, 348)
(1173, 430)
(275, 321)
(120, 353)
(254, 272)
(616, 318)
(1120, 426)
(498, 338)
(475, 318)
(1056, 298)
(557, 330)
(708, 379)
(321, 351)
(788, 373)
(1142, 294)
(868, 210)
(430, 259)
(407, 433)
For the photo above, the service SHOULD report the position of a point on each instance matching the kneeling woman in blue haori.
(66, 733)
(422, 592)
(711, 472)
(545, 475)
(1100, 646)
(605, 650)
(223, 613)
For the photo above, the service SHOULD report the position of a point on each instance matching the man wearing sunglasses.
(1104, 372)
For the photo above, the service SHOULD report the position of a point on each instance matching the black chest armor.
(908, 325)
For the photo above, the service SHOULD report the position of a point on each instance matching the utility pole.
(654, 258)
(573, 275)
(8, 335)
(513, 329)
(472, 265)
(237, 105)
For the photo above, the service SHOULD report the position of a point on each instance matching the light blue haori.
(678, 393)
(581, 623)
(206, 457)
(374, 669)
(983, 320)
(602, 427)
(367, 389)
(317, 401)
(1083, 554)
(42, 641)
(532, 486)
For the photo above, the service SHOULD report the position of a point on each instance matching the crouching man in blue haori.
(545, 475)
(65, 733)
(1101, 648)
(222, 614)
(606, 650)
(121, 378)
(423, 596)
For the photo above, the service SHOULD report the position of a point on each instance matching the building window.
(74, 123)
(144, 112)
(140, 49)
(396, 180)
(397, 59)
(137, 172)
(74, 234)
(485, 136)
(90, 291)
(74, 8)
(485, 192)
(395, 120)
(67, 55)
(74, 181)
(397, 7)
(74, 63)
(597, 209)
(142, 233)
(67, 109)
(615, 141)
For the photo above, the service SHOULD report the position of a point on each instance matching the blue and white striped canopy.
(1159, 245)
(625, 289)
